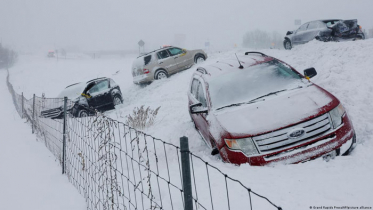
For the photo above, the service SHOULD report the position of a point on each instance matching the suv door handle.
(160, 62)
(175, 57)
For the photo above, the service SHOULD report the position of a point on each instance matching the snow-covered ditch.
(344, 69)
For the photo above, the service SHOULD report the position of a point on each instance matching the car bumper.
(342, 140)
(56, 113)
(144, 78)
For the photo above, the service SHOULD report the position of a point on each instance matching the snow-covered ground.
(344, 69)
(30, 177)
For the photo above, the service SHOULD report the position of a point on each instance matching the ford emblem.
(296, 133)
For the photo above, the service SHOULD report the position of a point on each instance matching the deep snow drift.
(343, 68)
(30, 177)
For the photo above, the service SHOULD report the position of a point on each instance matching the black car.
(100, 94)
(324, 30)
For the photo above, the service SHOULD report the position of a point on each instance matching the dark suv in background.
(100, 94)
(324, 30)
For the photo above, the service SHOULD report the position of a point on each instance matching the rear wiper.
(253, 100)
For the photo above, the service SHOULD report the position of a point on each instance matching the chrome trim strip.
(279, 140)
(286, 130)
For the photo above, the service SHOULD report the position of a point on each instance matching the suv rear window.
(147, 59)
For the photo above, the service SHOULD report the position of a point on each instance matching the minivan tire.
(161, 74)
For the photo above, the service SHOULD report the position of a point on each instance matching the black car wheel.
(117, 100)
(199, 59)
(161, 74)
(287, 44)
(82, 113)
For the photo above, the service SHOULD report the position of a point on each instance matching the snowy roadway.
(30, 177)
(343, 68)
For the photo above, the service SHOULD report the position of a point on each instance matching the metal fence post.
(185, 166)
(33, 113)
(22, 106)
(64, 136)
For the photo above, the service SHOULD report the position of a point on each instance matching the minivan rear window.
(147, 59)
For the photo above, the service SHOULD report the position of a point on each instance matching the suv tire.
(161, 74)
(199, 59)
(117, 100)
(83, 113)
(287, 44)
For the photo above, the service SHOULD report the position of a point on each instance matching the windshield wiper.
(268, 94)
(253, 100)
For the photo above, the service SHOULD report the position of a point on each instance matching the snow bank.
(30, 177)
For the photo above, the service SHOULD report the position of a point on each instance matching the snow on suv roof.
(97, 79)
(148, 53)
(229, 65)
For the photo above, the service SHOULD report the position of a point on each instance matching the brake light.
(146, 71)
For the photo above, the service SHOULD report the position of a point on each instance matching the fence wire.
(117, 167)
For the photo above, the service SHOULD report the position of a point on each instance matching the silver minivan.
(163, 62)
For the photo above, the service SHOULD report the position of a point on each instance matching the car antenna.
(240, 67)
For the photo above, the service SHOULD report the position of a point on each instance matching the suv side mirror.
(197, 108)
(310, 72)
(86, 95)
(289, 32)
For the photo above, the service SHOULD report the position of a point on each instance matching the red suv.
(257, 109)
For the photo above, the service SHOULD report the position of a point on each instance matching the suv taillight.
(146, 71)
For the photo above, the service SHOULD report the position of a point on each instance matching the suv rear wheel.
(161, 74)
(199, 59)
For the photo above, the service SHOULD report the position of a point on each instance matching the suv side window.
(200, 95)
(303, 27)
(175, 51)
(101, 86)
(112, 83)
(321, 24)
(194, 87)
(313, 25)
(163, 54)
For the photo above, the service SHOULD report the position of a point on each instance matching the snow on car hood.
(275, 112)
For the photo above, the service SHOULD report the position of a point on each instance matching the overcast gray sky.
(119, 24)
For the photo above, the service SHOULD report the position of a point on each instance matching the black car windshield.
(250, 83)
(73, 91)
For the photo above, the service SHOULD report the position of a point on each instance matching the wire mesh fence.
(115, 166)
